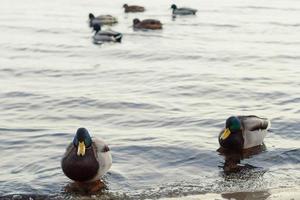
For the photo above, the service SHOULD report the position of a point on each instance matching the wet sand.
(276, 194)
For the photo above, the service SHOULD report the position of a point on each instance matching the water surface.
(159, 98)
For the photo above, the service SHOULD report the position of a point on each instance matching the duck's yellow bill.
(225, 134)
(81, 149)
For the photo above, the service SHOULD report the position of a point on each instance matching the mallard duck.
(86, 159)
(102, 20)
(147, 24)
(243, 132)
(105, 36)
(133, 8)
(183, 11)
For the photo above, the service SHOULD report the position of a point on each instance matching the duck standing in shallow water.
(147, 24)
(102, 20)
(105, 36)
(133, 8)
(183, 11)
(86, 160)
(243, 132)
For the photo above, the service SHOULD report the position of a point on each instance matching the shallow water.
(159, 98)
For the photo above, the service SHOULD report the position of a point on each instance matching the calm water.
(159, 98)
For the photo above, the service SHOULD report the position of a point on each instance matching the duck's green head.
(173, 6)
(82, 140)
(233, 125)
(96, 28)
(136, 21)
(91, 16)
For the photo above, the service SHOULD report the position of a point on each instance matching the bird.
(102, 20)
(183, 11)
(133, 8)
(86, 159)
(243, 132)
(147, 24)
(105, 36)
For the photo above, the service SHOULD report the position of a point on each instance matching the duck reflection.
(261, 195)
(233, 159)
(85, 188)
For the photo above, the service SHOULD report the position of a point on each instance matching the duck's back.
(134, 8)
(149, 24)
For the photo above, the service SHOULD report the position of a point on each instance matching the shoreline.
(272, 194)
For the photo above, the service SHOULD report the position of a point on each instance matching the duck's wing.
(189, 9)
(135, 7)
(150, 21)
(103, 156)
(253, 123)
(103, 17)
(185, 11)
(107, 36)
(255, 130)
(108, 33)
(150, 24)
(106, 19)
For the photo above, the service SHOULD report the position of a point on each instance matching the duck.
(86, 159)
(183, 11)
(147, 24)
(105, 36)
(102, 20)
(133, 8)
(243, 132)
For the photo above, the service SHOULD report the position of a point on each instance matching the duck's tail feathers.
(118, 37)
(269, 125)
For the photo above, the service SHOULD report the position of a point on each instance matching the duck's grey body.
(107, 36)
(90, 167)
(254, 130)
(184, 11)
(103, 20)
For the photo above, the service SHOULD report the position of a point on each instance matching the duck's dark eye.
(105, 149)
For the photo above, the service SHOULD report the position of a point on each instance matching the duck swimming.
(133, 8)
(147, 24)
(102, 20)
(243, 132)
(183, 11)
(86, 159)
(105, 36)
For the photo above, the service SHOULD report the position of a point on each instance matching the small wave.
(210, 25)
(285, 24)
(34, 29)
(40, 50)
(268, 8)
(285, 57)
(21, 130)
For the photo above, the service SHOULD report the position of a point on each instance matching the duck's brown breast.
(80, 168)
